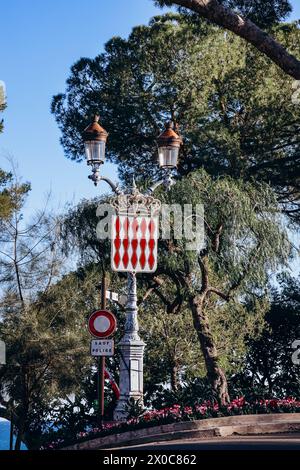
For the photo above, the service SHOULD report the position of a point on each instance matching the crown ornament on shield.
(135, 203)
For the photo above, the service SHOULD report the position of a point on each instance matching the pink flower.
(177, 412)
(207, 403)
(147, 416)
(188, 410)
(201, 409)
(273, 403)
(238, 402)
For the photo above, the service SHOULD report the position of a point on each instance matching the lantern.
(168, 148)
(95, 138)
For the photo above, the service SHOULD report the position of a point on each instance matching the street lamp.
(95, 137)
(168, 148)
(131, 345)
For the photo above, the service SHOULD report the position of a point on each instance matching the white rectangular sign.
(112, 296)
(2, 353)
(102, 347)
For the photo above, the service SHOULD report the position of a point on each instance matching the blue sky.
(40, 40)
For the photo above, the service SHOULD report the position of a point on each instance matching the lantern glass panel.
(168, 157)
(95, 151)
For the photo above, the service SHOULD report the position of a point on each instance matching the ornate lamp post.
(131, 345)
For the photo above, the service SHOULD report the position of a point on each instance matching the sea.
(4, 435)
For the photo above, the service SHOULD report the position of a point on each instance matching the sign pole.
(101, 361)
(101, 388)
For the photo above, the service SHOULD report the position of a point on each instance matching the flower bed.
(177, 413)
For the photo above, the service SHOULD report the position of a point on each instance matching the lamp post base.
(131, 376)
(131, 357)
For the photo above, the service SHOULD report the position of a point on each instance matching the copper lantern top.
(94, 131)
(169, 138)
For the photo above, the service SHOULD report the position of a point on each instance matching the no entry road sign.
(102, 324)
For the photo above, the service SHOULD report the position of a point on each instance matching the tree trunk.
(21, 428)
(23, 409)
(174, 377)
(19, 437)
(215, 374)
(227, 18)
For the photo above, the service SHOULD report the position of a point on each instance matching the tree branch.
(244, 28)
(216, 239)
(204, 274)
(219, 293)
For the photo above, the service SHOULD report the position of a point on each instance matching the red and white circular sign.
(102, 324)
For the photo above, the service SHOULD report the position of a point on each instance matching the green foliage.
(48, 351)
(8, 191)
(190, 392)
(268, 368)
(172, 355)
(263, 13)
(234, 107)
(253, 239)
(78, 234)
(134, 408)
(245, 239)
(12, 191)
(5, 198)
(233, 325)
(42, 318)
(12, 195)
